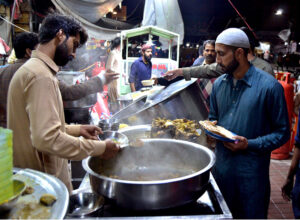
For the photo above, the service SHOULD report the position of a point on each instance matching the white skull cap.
(233, 37)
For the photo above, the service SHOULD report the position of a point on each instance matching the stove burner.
(199, 207)
(210, 205)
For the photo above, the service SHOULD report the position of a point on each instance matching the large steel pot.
(156, 160)
(182, 99)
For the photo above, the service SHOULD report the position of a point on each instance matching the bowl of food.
(18, 189)
(148, 82)
(115, 136)
(84, 204)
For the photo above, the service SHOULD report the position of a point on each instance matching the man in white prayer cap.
(250, 103)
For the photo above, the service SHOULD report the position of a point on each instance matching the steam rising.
(156, 160)
(86, 57)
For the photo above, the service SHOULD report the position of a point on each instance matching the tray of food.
(45, 197)
(182, 129)
(218, 132)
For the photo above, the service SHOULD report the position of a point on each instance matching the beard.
(210, 59)
(148, 58)
(232, 66)
(61, 56)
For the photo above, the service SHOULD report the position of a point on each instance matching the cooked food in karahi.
(183, 129)
(47, 199)
(212, 127)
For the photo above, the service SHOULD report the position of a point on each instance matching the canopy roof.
(149, 30)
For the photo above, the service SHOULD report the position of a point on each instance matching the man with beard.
(214, 70)
(141, 69)
(209, 54)
(250, 103)
(41, 140)
(24, 44)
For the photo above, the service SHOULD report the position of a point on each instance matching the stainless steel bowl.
(114, 178)
(19, 187)
(114, 136)
(84, 204)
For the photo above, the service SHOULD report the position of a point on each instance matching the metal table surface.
(211, 205)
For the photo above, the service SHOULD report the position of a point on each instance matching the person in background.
(243, 100)
(214, 70)
(24, 44)
(289, 189)
(113, 63)
(200, 59)
(256, 61)
(141, 69)
(41, 140)
(209, 55)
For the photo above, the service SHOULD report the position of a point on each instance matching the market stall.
(159, 65)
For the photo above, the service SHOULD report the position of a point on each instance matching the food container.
(149, 82)
(84, 204)
(115, 136)
(163, 173)
(182, 99)
(18, 189)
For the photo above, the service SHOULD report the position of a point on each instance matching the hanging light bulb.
(279, 12)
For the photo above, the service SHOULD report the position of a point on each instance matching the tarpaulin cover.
(164, 14)
(89, 12)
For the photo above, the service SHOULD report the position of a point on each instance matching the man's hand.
(111, 150)
(155, 80)
(132, 87)
(210, 141)
(110, 76)
(172, 74)
(90, 131)
(287, 189)
(240, 144)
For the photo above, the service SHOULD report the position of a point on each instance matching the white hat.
(233, 37)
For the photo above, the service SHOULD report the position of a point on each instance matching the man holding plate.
(250, 103)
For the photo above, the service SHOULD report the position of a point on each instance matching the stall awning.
(89, 12)
(149, 30)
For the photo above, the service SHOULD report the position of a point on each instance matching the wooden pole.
(11, 20)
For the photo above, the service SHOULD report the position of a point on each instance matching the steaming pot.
(161, 174)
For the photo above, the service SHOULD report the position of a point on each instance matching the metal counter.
(211, 205)
(182, 99)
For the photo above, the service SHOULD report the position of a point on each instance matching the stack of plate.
(6, 165)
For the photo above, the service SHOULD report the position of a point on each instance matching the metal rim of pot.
(85, 164)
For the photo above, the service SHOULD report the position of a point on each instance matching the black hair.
(115, 43)
(211, 42)
(252, 39)
(54, 22)
(200, 50)
(24, 41)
